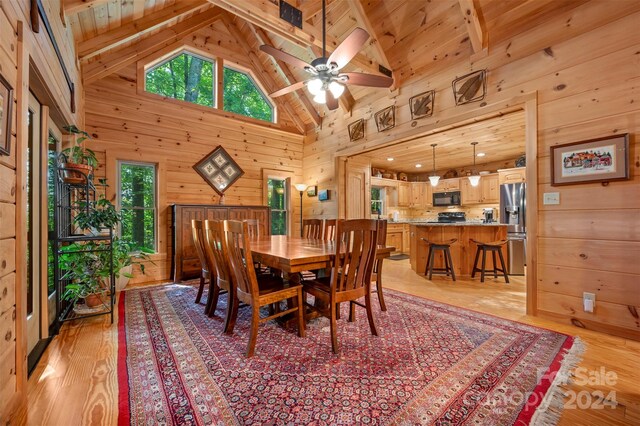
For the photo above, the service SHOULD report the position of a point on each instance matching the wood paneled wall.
(128, 124)
(583, 64)
(21, 49)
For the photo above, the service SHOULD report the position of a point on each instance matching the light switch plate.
(551, 198)
(589, 301)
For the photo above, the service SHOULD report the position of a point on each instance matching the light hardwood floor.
(75, 382)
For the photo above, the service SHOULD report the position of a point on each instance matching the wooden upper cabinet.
(490, 188)
(427, 194)
(515, 175)
(446, 185)
(470, 194)
(417, 194)
(487, 191)
(404, 194)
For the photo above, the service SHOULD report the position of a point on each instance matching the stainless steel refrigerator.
(513, 209)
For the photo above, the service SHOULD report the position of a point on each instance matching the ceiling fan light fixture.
(321, 97)
(336, 89)
(314, 86)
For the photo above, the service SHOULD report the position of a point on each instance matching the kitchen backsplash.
(472, 212)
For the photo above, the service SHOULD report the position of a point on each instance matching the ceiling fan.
(327, 82)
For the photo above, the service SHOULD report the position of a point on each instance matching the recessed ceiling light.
(418, 166)
(480, 154)
(389, 158)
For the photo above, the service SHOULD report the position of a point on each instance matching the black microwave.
(442, 199)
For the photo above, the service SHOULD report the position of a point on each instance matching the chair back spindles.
(240, 257)
(312, 229)
(197, 231)
(329, 231)
(253, 226)
(215, 251)
(355, 254)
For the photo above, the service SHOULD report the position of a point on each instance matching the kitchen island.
(463, 251)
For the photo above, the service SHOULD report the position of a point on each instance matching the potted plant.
(80, 161)
(98, 216)
(86, 267)
(124, 257)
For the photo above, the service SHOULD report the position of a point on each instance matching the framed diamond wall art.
(218, 169)
(356, 130)
(386, 118)
(422, 105)
(470, 88)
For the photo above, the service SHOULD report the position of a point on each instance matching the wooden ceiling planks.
(500, 138)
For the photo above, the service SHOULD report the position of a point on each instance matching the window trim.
(288, 177)
(156, 195)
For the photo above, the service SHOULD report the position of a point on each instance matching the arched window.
(244, 96)
(186, 77)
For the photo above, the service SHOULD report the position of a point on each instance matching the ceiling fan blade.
(288, 89)
(284, 57)
(371, 80)
(349, 47)
(332, 103)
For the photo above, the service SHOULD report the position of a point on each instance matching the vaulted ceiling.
(409, 37)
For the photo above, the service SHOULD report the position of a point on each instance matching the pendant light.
(434, 178)
(474, 177)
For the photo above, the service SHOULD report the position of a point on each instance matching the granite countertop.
(426, 223)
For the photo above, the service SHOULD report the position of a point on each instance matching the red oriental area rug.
(432, 364)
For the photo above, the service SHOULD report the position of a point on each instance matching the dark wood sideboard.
(185, 263)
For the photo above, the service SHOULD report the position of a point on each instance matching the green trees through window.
(191, 78)
(277, 200)
(185, 77)
(138, 204)
(242, 96)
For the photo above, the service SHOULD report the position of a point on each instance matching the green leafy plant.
(100, 214)
(78, 154)
(86, 267)
(124, 255)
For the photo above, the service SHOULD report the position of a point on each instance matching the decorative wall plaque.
(386, 118)
(219, 170)
(356, 130)
(470, 88)
(422, 105)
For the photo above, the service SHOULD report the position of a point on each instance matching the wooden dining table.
(295, 254)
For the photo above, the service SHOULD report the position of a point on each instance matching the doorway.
(44, 141)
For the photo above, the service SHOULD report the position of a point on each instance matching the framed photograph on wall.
(6, 104)
(594, 160)
(324, 195)
(219, 170)
(312, 191)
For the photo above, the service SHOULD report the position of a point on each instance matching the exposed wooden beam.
(362, 18)
(71, 7)
(312, 8)
(263, 38)
(265, 14)
(116, 37)
(265, 78)
(118, 59)
(475, 30)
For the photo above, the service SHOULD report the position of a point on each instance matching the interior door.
(358, 188)
(54, 145)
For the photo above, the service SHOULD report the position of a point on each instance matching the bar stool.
(448, 262)
(493, 247)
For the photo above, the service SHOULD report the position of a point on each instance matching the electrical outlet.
(589, 301)
(551, 198)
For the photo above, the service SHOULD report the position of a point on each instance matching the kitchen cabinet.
(490, 188)
(416, 194)
(404, 194)
(515, 175)
(487, 191)
(427, 194)
(446, 185)
(406, 241)
(382, 182)
(395, 236)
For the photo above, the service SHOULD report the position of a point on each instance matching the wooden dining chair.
(254, 227)
(197, 232)
(312, 229)
(268, 291)
(216, 253)
(329, 229)
(376, 275)
(350, 277)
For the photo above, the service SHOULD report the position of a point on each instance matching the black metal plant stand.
(69, 195)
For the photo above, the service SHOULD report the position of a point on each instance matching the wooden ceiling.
(407, 36)
(500, 138)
